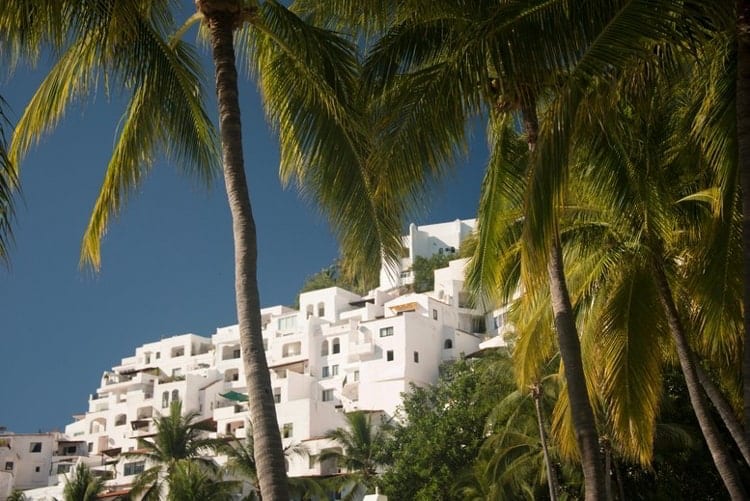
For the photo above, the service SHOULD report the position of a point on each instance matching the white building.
(36, 460)
(338, 353)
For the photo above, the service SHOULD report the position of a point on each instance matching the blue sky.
(167, 260)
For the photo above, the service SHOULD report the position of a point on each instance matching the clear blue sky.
(167, 261)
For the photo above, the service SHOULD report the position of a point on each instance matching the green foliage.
(363, 451)
(423, 268)
(83, 485)
(178, 438)
(445, 428)
(682, 467)
(333, 276)
(190, 481)
(17, 495)
(8, 184)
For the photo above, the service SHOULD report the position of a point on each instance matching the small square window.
(9, 466)
(158, 355)
(386, 331)
(37, 469)
(389, 355)
(35, 447)
(287, 430)
(416, 357)
(327, 395)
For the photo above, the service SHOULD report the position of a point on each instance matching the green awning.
(233, 395)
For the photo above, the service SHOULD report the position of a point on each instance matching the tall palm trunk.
(222, 17)
(725, 411)
(570, 346)
(723, 461)
(536, 393)
(743, 147)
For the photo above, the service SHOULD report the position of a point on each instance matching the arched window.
(336, 348)
(175, 395)
(165, 400)
(321, 309)
(448, 344)
(98, 425)
(324, 348)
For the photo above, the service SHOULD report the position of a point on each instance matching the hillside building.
(338, 353)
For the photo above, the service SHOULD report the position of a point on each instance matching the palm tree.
(8, 184)
(17, 495)
(307, 77)
(179, 438)
(83, 485)
(190, 481)
(241, 461)
(627, 167)
(362, 451)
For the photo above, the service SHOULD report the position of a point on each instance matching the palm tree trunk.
(725, 411)
(569, 344)
(536, 393)
(222, 17)
(723, 461)
(608, 469)
(743, 147)
(570, 352)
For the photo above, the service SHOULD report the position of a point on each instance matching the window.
(334, 370)
(327, 395)
(434, 314)
(236, 353)
(265, 344)
(63, 468)
(309, 311)
(165, 400)
(321, 309)
(356, 376)
(120, 419)
(386, 331)
(389, 355)
(175, 395)
(287, 323)
(324, 348)
(287, 430)
(277, 395)
(90, 446)
(326, 372)
(336, 346)
(37, 469)
(134, 468)
(448, 344)
(291, 349)
(158, 355)
(416, 357)
(9, 466)
(35, 447)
